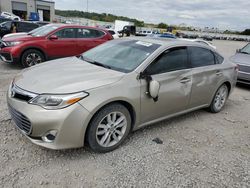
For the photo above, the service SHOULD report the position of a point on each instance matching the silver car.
(116, 88)
(242, 58)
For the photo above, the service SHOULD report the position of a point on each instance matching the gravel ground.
(199, 149)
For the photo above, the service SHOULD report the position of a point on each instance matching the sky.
(223, 14)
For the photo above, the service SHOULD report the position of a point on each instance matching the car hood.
(66, 75)
(241, 58)
(21, 38)
(14, 35)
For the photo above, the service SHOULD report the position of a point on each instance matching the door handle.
(185, 80)
(218, 73)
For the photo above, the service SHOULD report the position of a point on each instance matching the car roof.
(168, 42)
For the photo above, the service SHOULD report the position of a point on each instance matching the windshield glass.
(246, 49)
(43, 31)
(6, 24)
(38, 29)
(121, 55)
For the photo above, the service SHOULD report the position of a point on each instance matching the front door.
(64, 46)
(171, 70)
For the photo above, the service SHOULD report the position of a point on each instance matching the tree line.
(96, 16)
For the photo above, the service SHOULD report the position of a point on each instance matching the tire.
(32, 57)
(103, 135)
(219, 99)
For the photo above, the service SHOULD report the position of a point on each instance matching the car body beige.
(115, 88)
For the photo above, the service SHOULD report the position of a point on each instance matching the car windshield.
(5, 24)
(38, 29)
(246, 49)
(120, 55)
(43, 31)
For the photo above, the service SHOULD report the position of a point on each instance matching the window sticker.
(144, 43)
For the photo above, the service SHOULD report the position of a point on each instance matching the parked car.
(23, 34)
(10, 16)
(164, 35)
(242, 58)
(114, 33)
(116, 88)
(6, 27)
(54, 41)
(3, 19)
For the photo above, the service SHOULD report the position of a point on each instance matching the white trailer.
(119, 24)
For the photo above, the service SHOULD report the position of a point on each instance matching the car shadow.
(86, 152)
(243, 86)
(10, 66)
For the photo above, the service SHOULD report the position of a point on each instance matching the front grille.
(244, 68)
(21, 94)
(2, 45)
(21, 121)
(22, 97)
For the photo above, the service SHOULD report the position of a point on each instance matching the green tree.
(162, 26)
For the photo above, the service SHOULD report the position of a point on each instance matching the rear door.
(89, 38)
(171, 69)
(64, 46)
(206, 75)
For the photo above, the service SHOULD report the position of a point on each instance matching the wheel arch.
(34, 48)
(125, 103)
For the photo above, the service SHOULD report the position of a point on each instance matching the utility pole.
(87, 12)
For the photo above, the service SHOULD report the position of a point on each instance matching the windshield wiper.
(245, 53)
(94, 62)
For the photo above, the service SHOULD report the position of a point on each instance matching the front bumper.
(6, 57)
(243, 77)
(70, 123)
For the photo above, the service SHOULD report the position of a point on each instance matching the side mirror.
(53, 37)
(154, 88)
(238, 50)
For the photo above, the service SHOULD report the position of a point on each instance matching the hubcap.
(111, 129)
(33, 59)
(220, 98)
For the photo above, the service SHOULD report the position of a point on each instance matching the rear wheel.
(219, 99)
(32, 57)
(109, 127)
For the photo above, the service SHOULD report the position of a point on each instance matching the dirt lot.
(199, 149)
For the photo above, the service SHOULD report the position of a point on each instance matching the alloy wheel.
(111, 129)
(221, 97)
(33, 59)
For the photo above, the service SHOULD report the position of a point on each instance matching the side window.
(89, 33)
(96, 33)
(171, 60)
(83, 33)
(201, 57)
(218, 58)
(66, 33)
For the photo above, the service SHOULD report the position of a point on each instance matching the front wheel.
(219, 99)
(109, 127)
(32, 57)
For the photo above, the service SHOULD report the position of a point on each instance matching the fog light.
(49, 136)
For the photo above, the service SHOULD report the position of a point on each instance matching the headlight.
(54, 102)
(14, 43)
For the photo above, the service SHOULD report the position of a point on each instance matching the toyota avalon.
(118, 87)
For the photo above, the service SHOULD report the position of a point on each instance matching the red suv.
(50, 42)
